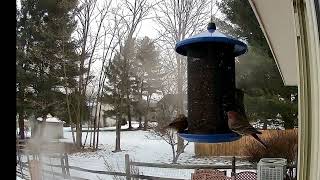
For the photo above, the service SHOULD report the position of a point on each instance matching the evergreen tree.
(47, 54)
(114, 94)
(114, 90)
(257, 73)
(132, 79)
(148, 75)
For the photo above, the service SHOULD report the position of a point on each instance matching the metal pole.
(233, 173)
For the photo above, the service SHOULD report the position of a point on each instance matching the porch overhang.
(276, 19)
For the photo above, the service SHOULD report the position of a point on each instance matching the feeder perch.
(211, 84)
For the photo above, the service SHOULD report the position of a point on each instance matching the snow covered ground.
(141, 146)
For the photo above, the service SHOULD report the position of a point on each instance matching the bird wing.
(179, 124)
(244, 128)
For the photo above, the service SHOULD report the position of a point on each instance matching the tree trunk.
(90, 144)
(98, 130)
(94, 131)
(99, 118)
(126, 73)
(21, 124)
(96, 118)
(88, 123)
(145, 125)
(174, 159)
(88, 130)
(21, 113)
(140, 108)
(72, 133)
(140, 121)
(146, 117)
(118, 129)
(128, 110)
(68, 104)
(79, 135)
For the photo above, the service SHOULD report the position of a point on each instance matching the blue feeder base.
(210, 138)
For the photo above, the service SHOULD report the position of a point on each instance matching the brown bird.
(240, 125)
(180, 123)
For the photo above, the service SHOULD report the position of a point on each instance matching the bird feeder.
(211, 84)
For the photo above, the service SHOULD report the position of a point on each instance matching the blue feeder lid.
(212, 36)
(210, 138)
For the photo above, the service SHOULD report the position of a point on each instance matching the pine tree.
(27, 16)
(257, 72)
(148, 75)
(115, 94)
(47, 53)
(130, 80)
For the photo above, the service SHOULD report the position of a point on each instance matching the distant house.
(53, 127)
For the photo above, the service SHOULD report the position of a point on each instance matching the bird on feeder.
(240, 125)
(180, 123)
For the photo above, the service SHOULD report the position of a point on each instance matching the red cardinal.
(180, 123)
(239, 124)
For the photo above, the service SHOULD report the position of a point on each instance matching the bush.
(281, 144)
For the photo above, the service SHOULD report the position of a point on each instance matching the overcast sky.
(146, 28)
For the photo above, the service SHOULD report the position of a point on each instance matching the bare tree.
(135, 12)
(111, 41)
(179, 19)
(91, 15)
(128, 15)
(91, 106)
(165, 113)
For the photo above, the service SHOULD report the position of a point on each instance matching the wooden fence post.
(67, 165)
(233, 173)
(34, 169)
(127, 166)
(62, 165)
(19, 161)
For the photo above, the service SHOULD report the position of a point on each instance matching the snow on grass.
(141, 146)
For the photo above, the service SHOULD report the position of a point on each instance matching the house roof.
(51, 119)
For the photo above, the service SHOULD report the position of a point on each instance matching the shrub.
(281, 144)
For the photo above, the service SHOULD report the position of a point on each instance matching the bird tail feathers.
(258, 139)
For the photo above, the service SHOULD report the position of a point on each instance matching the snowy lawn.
(141, 146)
